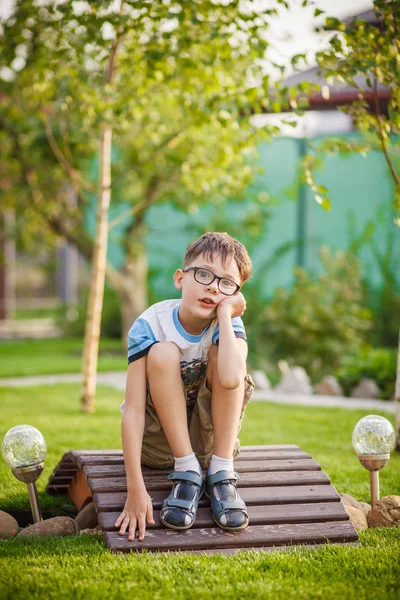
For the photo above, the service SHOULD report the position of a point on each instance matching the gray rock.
(295, 381)
(87, 517)
(8, 526)
(367, 388)
(365, 507)
(95, 531)
(349, 500)
(329, 386)
(352, 502)
(385, 513)
(261, 380)
(357, 517)
(57, 526)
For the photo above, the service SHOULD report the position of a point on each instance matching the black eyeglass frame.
(215, 277)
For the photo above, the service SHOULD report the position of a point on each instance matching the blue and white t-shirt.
(160, 323)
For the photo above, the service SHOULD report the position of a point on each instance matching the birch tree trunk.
(397, 399)
(93, 321)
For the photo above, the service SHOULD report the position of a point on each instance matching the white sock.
(187, 463)
(220, 464)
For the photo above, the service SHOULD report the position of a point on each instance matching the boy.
(187, 389)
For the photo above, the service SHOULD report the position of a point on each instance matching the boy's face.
(201, 300)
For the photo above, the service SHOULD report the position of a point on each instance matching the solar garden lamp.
(373, 439)
(24, 450)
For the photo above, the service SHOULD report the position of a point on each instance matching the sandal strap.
(177, 503)
(222, 476)
(186, 476)
(231, 505)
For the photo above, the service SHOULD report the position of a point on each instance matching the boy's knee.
(163, 354)
(212, 371)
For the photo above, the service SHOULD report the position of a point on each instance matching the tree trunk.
(134, 299)
(131, 287)
(93, 321)
(397, 399)
(7, 264)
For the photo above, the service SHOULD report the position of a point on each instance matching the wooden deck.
(290, 501)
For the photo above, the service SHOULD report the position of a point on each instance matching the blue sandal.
(179, 509)
(228, 509)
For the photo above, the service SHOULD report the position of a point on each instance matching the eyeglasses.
(205, 277)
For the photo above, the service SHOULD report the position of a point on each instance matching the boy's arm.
(138, 507)
(232, 351)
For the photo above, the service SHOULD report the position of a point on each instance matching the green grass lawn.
(82, 567)
(19, 358)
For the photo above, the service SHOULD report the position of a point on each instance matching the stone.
(8, 526)
(295, 381)
(329, 386)
(261, 380)
(94, 531)
(87, 517)
(56, 526)
(367, 388)
(385, 513)
(357, 517)
(349, 500)
(365, 507)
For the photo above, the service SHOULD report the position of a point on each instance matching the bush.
(373, 363)
(319, 321)
(73, 323)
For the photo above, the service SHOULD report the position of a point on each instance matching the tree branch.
(381, 135)
(162, 145)
(128, 213)
(74, 176)
(57, 222)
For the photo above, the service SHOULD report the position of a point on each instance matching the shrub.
(373, 363)
(110, 320)
(319, 321)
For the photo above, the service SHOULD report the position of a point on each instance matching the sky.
(293, 31)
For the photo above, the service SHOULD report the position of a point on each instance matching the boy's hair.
(221, 244)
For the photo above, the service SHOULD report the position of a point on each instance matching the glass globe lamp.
(24, 450)
(373, 439)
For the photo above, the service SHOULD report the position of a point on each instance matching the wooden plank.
(264, 495)
(57, 489)
(262, 549)
(259, 515)
(113, 459)
(253, 537)
(66, 467)
(264, 448)
(65, 472)
(62, 480)
(275, 454)
(117, 484)
(306, 464)
(115, 456)
(270, 447)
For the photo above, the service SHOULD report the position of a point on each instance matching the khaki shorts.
(155, 449)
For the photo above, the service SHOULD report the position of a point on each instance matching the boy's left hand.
(236, 305)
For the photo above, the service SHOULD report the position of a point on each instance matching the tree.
(173, 84)
(366, 57)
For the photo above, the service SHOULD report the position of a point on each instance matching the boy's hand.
(235, 305)
(137, 510)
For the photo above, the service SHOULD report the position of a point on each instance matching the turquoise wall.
(360, 189)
